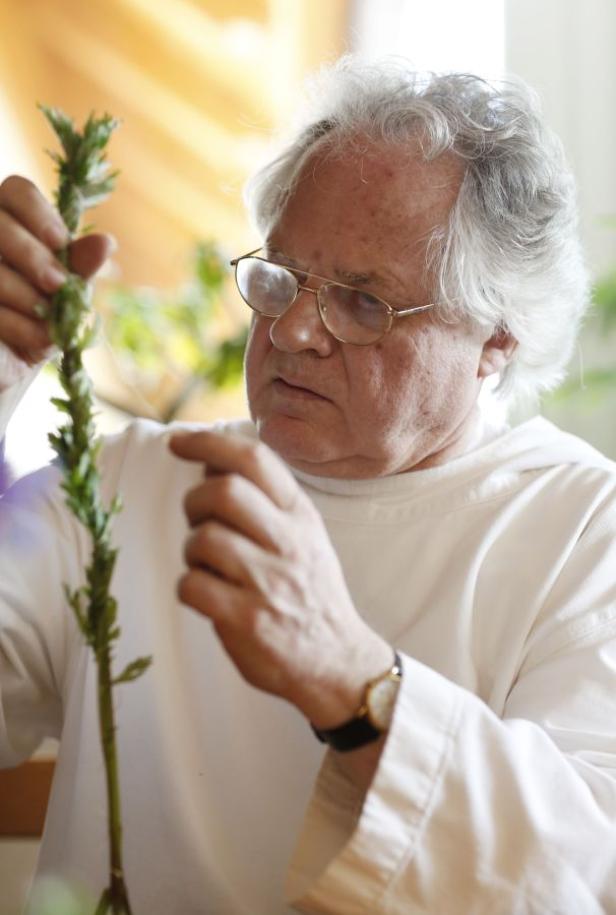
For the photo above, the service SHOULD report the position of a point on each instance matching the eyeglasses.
(349, 314)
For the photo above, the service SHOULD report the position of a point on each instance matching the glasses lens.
(267, 288)
(352, 315)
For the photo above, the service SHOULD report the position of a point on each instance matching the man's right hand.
(31, 230)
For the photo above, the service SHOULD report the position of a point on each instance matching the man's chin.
(295, 442)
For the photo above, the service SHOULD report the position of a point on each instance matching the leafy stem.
(85, 180)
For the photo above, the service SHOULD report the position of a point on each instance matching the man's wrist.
(330, 701)
(372, 717)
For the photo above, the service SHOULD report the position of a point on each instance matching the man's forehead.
(365, 214)
(375, 190)
(368, 164)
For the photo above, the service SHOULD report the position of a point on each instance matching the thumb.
(88, 254)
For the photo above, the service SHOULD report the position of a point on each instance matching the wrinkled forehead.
(385, 178)
(400, 160)
(375, 195)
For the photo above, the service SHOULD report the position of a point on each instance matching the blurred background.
(202, 87)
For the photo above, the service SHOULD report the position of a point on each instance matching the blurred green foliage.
(180, 331)
(605, 302)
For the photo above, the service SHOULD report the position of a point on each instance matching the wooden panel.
(24, 793)
(199, 84)
(235, 9)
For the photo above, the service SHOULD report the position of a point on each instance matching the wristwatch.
(372, 718)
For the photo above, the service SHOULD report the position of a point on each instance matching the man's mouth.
(296, 388)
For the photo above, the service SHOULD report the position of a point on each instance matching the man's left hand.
(262, 568)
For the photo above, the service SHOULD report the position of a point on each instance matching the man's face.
(405, 402)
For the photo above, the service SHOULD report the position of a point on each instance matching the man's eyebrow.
(347, 276)
(354, 278)
(283, 258)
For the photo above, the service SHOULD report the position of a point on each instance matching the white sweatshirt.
(495, 575)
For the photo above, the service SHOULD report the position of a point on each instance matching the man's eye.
(361, 307)
(364, 302)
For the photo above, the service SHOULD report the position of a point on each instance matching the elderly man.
(432, 594)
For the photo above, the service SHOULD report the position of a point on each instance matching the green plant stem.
(115, 897)
(84, 180)
(118, 894)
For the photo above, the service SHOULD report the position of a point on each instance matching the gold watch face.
(381, 700)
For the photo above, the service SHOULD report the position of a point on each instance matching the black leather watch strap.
(359, 731)
(350, 736)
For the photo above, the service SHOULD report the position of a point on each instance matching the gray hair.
(509, 256)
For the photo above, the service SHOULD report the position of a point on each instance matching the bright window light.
(14, 155)
(442, 35)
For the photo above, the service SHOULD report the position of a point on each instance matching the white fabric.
(15, 378)
(495, 577)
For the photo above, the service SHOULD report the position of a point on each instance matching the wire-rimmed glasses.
(351, 315)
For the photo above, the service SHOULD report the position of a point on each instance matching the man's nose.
(300, 327)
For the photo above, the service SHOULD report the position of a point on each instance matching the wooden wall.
(199, 86)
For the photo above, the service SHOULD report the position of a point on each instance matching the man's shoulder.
(539, 444)
(131, 459)
(143, 444)
(143, 432)
(576, 479)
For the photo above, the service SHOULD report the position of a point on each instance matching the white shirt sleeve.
(15, 378)
(472, 812)
(43, 550)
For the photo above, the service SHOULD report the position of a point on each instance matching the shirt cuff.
(349, 852)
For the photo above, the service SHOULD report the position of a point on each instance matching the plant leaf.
(133, 671)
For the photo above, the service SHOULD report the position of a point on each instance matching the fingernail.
(53, 278)
(57, 235)
(113, 243)
(30, 357)
(43, 338)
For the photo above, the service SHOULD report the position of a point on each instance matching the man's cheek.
(257, 348)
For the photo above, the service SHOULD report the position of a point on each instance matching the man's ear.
(496, 353)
